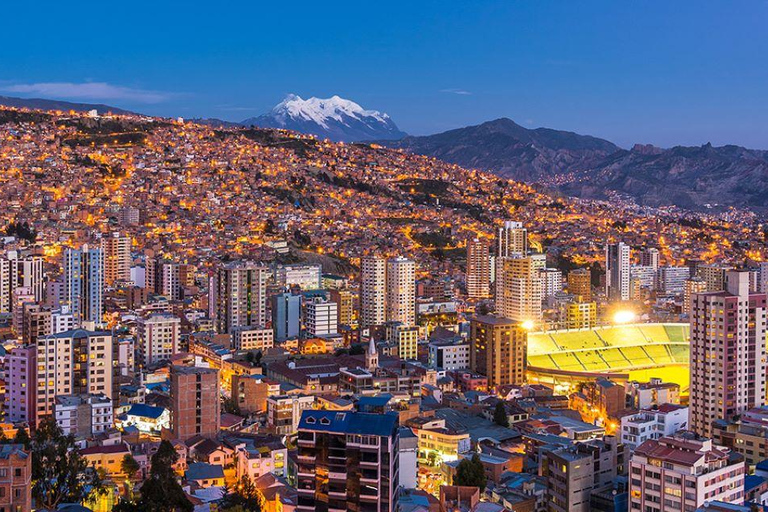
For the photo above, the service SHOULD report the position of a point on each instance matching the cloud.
(460, 92)
(88, 91)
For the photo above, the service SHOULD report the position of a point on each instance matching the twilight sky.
(662, 72)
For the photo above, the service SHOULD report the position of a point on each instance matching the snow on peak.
(320, 110)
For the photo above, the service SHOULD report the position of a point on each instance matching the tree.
(59, 473)
(245, 497)
(129, 466)
(470, 473)
(231, 406)
(22, 437)
(160, 492)
(500, 416)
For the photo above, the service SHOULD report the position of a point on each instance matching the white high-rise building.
(307, 277)
(478, 276)
(551, 282)
(158, 337)
(84, 283)
(241, 295)
(321, 317)
(617, 271)
(21, 270)
(728, 353)
(401, 291)
(373, 291)
(519, 287)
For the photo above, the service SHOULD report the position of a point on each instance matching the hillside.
(64, 106)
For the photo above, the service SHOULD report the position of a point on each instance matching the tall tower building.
(617, 271)
(373, 291)
(117, 258)
(690, 287)
(286, 316)
(401, 291)
(478, 269)
(519, 287)
(580, 283)
(511, 239)
(195, 403)
(649, 257)
(347, 461)
(728, 358)
(498, 348)
(84, 283)
(158, 337)
(73, 363)
(241, 295)
(21, 374)
(714, 275)
(23, 270)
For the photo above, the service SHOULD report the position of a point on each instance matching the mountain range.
(334, 118)
(695, 178)
(64, 106)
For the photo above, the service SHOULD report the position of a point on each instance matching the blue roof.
(752, 481)
(347, 422)
(763, 465)
(146, 411)
(204, 471)
(374, 401)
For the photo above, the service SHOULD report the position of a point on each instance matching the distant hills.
(589, 167)
(43, 104)
(334, 118)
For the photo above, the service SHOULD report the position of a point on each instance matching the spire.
(371, 356)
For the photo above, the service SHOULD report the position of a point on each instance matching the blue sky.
(661, 72)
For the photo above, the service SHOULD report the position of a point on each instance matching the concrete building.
(284, 412)
(253, 338)
(728, 353)
(580, 283)
(498, 349)
(75, 362)
(551, 282)
(241, 295)
(117, 258)
(252, 391)
(478, 277)
(511, 240)
(84, 283)
(21, 392)
(15, 478)
(682, 473)
(617, 271)
(195, 402)
(346, 309)
(373, 291)
(652, 424)
(158, 337)
(655, 392)
(321, 317)
(449, 354)
(401, 291)
(573, 472)
(672, 279)
(690, 287)
(306, 277)
(518, 287)
(84, 416)
(714, 274)
(339, 451)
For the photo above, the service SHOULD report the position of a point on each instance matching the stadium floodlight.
(624, 317)
(527, 325)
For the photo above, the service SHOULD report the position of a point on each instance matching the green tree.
(22, 437)
(470, 473)
(245, 497)
(129, 466)
(500, 416)
(59, 473)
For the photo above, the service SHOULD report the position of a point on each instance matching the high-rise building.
(37, 322)
(321, 317)
(284, 412)
(241, 295)
(401, 291)
(117, 258)
(672, 279)
(253, 338)
(518, 287)
(714, 275)
(728, 358)
(84, 283)
(580, 315)
(21, 376)
(690, 287)
(617, 271)
(84, 416)
(580, 283)
(511, 240)
(551, 282)
(762, 277)
(348, 461)
(169, 280)
(498, 348)
(158, 337)
(345, 300)
(21, 270)
(649, 257)
(306, 277)
(406, 338)
(286, 316)
(195, 402)
(72, 363)
(683, 472)
(373, 291)
(478, 269)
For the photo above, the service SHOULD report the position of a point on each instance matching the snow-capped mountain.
(334, 118)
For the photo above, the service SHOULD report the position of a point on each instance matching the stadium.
(620, 352)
